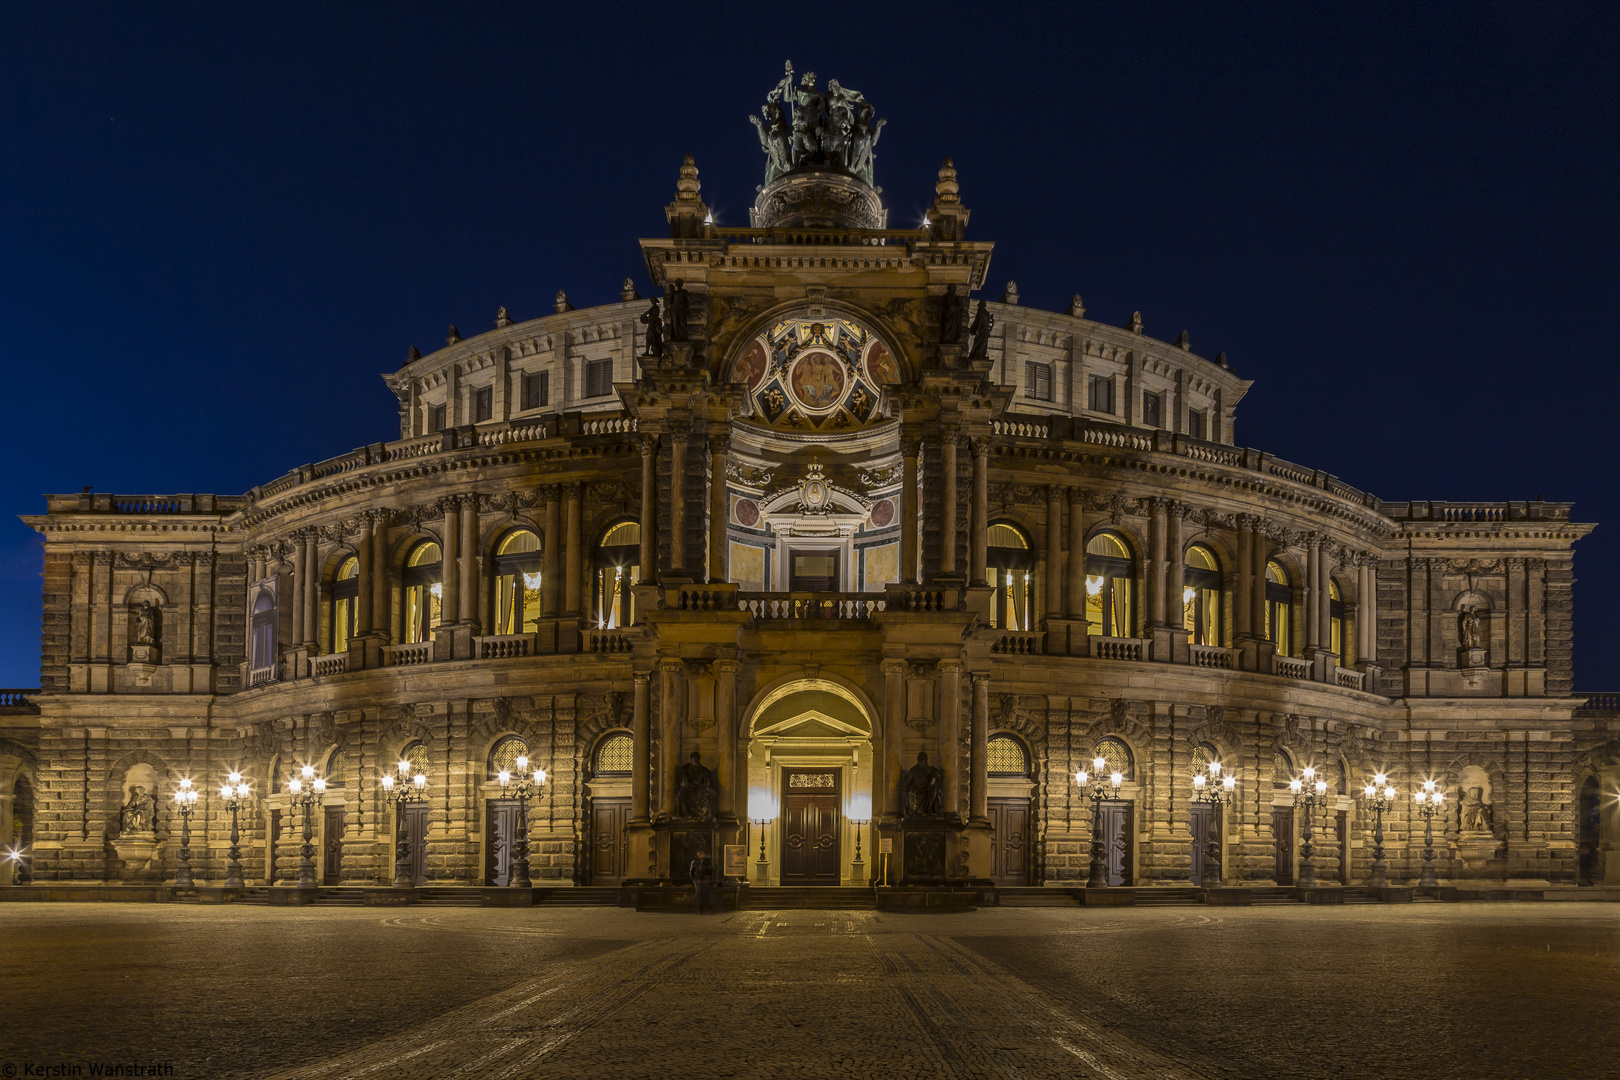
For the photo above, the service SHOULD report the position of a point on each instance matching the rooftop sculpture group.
(807, 128)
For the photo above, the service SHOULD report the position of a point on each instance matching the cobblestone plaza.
(1428, 990)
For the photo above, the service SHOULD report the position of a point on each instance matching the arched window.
(1011, 574)
(1282, 769)
(1201, 596)
(275, 774)
(417, 755)
(1006, 756)
(1202, 755)
(1279, 609)
(517, 583)
(1109, 581)
(334, 768)
(1339, 643)
(615, 755)
(504, 755)
(1118, 756)
(264, 630)
(345, 604)
(618, 566)
(424, 591)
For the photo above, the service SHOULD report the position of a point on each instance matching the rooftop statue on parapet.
(835, 130)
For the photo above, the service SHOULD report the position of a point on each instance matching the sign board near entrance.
(886, 846)
(736, 861)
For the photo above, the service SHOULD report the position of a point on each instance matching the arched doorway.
(810, 781)
(1589, 823)
(19, 854)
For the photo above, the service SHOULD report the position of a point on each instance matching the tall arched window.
(1109, 581)
(1339, 642)
(618, 566)
(1011, 574)
(335, 765)
(424, 591)
(1118, 756)
(1279, 609)
(1201, 596)
(417, 755)
(264, 631)
(517, 583)
(1282, 769)
(345, 604)
(504, 754)
(615, 755)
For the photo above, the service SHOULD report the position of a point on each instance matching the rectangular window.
(483, 404)
(1102, 394)
(1153, 409)
(598, 378)
(1195, 423)
(536, 389)
(436, 417)
(1038, 381)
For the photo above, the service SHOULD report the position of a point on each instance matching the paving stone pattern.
(1486, 991)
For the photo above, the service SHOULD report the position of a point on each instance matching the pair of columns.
(913, 452)
(561, 556)
(673, 693)
(719, 508)
(948, 679)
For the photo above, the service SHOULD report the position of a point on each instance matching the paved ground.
(1472, 990)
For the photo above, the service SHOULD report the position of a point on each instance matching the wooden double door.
(1282, 831)
(413, 828)
(500, 836)
(810, 827)
(1011, 835)
(610, 840)
(332, 848)
(1206, 824)
(1118, 816)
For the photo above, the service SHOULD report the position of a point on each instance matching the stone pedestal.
(137, 855)
(923, 854)
(1477, 849)
(978, 839)
(1470, 658)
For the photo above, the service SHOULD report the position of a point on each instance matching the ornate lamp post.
(306, 792)
(860, 813)
(409, 790)
(760, 813)
(1093, 788)
(1308, 792)
(1428, 802)
(523, 788)
(235, 792)
(1216, 792)
(1379, 796)
(185, 801)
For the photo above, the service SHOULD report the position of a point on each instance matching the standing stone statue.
(1469, 633)
(1476, 812)
(922, 789)
(982, 322)
(653, 320)
(680, 310)
(145, 624)
(139, 813)
(774, 139)
(952, 317)
(695, 791)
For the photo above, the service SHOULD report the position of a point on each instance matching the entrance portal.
(810, 827)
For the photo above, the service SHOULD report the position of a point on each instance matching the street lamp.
(522, 789)
(235, 792)
(185, 800)
(860, 812)
(306, 792)
(1379, 796)
(759, 813)
(409, 790)
(1308, 793)
(1428, 801)
(1216, 792)
(1093, 788)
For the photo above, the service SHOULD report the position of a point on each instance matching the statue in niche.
(1476, 812)
(982, 323)
(922, 789)
(695, 791)
(138, 814)
(1470, 635)
(680, 310)
(952, 317)
(653, 320)
(146, 624)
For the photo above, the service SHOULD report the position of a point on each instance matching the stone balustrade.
(1289, 668)
(791, 605)
(1117, 648)
(1213, 656)
(419, 652)
(503, 646)
(335, 664)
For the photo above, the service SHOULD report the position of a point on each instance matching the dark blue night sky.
(220, 223)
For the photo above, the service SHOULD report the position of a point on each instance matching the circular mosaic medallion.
(883, 513)
(747, 512)
(816, 381)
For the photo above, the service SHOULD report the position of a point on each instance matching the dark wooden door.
(500, 830)
(810, 854)
(1590, 809)
(1282, 831)
(1116, 826)
(275, 841)
(610, 841)
(1205, 821)
(1010, 841)
(1341, 828)
(332, 856)
(416, 829)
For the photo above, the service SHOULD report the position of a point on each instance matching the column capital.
(720, 444)
(1077, 497)
(893, 667)
(727, 667)
(641, 676)
(980, 678)
(950, 666)
(671, 665)
(648, 443)
(680, 429)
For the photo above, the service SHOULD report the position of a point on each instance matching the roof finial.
(947, 189)
(561, 302)
(947, 218)
(454, 335)
(627, 291)
(502, 319)
(413, 354)
(1185, 341)
(687, 213)
(1010, 294)
(1135, 325)
(1077, 307)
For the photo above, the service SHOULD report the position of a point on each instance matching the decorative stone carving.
(653, 320)
(680, 311)
(983, 321)
(695, 792)
(138, 815)
(922, 790)
(952, 317)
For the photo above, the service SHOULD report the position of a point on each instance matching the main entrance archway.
(810, 780)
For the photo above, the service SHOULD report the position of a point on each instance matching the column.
(910, 447)
(677, 496)
(1257, 579)
(1367, 611)
(1243, 582)
(638, 737)
(885, 798)
(1054, 544)
(649, 507)
(725, 734)
(670, 688)
(300, 576)
(950, 728)
(380, 621)
(469, 560)
(312, 592)
(1313, 592)
(947, 503)
(551, 555)
(1516, 630)
(719, 508)
(364, 593)
(571, 569)
(979, 749)
(1175, 575)
(451, 553)
(979, 537)
(1156, 570)
(1324, 607)
(1077, 557)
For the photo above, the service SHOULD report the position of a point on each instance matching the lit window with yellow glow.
(345, 603)
(517, 583)
(424, 591)
(1011, 573)
(618, 567)
(1110, 575)
(1339, 641)
(1201, 596)
(1279, 609)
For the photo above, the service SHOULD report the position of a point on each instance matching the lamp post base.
(233, 874)
(1378, 878)
(1307, 874)
(182, 876)
(1427, 879)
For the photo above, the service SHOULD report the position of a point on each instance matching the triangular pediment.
(811, 724)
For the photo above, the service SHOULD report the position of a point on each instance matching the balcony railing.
(503, 646)
(418, 652)
(1289, 668)
(1019, 643)
(261, 676)
(1213, 656)
(1349, 678)
(1118, 648)
(17, 699)
(1600, 702)
(334, 664)
(792, 605)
